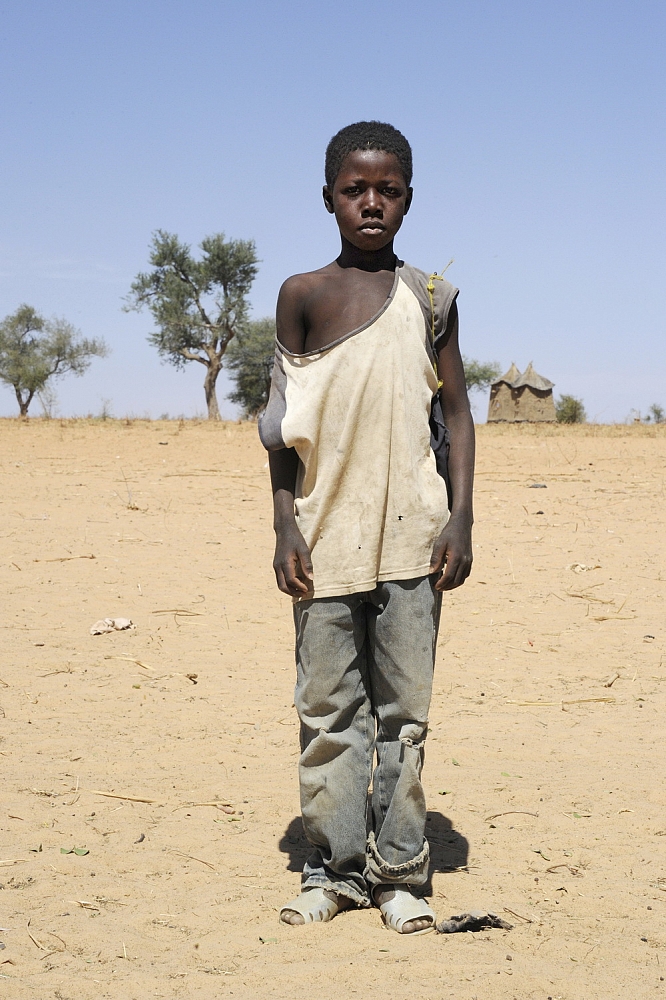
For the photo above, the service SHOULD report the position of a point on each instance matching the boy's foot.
(403, 912)
(314, 905)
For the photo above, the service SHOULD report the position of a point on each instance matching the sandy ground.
(545, 769)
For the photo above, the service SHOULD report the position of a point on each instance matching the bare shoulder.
(300, 286)
(295, 294)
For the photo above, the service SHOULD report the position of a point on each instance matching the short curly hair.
(367, 135)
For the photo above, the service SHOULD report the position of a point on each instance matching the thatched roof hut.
(516, 398)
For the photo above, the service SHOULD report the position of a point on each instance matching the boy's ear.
(408, 199)
(328, 199)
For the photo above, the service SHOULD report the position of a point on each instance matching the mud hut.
(516, 398)
(501, 405)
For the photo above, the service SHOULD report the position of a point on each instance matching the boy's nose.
(371, 204)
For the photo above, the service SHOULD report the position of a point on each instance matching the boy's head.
(367, 135)
(368, 174)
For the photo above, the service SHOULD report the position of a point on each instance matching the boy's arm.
(292, 562)
(453, 548)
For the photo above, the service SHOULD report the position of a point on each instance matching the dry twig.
(512, 812)
(34, 939)
(126, 798)
(571, 701)
(64, 559)
(131, 659)
(192, 858)
(513, 913)
(574, 871)
(176, 611)
(216, 803)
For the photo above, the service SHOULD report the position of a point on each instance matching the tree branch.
(195, 294)
(191, 356)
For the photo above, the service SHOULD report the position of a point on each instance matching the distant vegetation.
(570, 410)
(655, 414)
(250, 363)
(198, 305)
(480, 374)
(34, 350)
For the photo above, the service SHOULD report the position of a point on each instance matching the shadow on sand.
(448, 848)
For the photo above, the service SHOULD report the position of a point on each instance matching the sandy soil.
(544, 778)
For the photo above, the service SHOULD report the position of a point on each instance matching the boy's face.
(369, 198)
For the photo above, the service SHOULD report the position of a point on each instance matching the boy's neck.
(367, 260)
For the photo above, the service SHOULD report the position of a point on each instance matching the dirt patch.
(149, 816)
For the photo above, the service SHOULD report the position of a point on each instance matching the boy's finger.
(437, 560)
(450, 573)
(460, 569)
(282, 583)
(443, 577)
(306, 564)
(293, 581)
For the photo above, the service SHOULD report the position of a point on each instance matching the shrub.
(570, 410)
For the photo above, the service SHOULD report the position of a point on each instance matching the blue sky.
(539, 142)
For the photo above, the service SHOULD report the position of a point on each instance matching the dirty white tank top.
(369, 501)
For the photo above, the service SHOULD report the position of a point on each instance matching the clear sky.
(539, 141)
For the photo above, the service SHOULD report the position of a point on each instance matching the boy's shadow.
(448, 848)
(294, 843)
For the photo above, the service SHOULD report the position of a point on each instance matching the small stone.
(509, 958)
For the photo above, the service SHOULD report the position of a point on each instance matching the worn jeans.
(364, 681)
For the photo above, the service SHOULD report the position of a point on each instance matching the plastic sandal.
(315, 906)
(404, 907)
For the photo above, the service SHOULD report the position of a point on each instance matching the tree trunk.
(23, 403)
(209, 389)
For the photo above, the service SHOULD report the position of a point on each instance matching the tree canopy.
(480, 374)
(198, 305)
(34, 349)
(250, 360)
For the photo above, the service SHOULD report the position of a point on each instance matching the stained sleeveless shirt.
(369, 501)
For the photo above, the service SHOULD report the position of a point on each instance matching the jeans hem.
(341, 888)
(378, 871)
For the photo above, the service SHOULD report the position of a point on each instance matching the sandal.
(315, 905)
(404, 907)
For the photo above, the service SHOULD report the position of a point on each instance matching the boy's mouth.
(372, 228)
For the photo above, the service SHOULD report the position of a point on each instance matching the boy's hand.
(453, 553)
(292, 562)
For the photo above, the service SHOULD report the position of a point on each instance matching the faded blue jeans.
(364, 681)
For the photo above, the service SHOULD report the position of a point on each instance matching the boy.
(363, 532)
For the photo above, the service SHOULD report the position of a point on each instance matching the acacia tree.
(34, 350)
(250, 359)
(480, 374)
(198, 305)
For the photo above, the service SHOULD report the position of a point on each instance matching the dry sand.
(544, 777)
